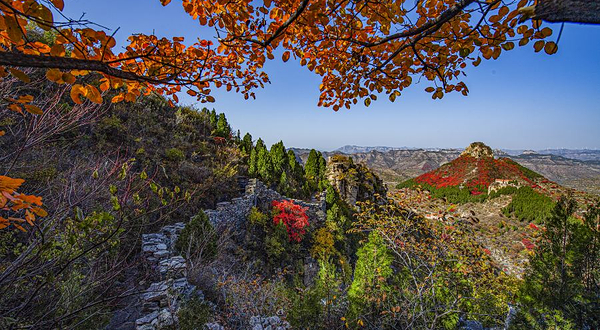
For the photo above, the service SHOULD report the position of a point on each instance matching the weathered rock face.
(478, 150)
(353, 182)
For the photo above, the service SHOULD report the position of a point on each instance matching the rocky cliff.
(353, 182)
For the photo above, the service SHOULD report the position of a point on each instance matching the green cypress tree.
(223, 129)
(557, 286)
(284, 186)
(278, 158)
(311, 170)
(264, 166)
(252, 164)
(213, 119)
(246, 144)
(260, 144)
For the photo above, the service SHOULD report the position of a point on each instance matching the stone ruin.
(161, 301)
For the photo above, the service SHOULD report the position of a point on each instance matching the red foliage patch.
(475, 174)
(527, 243)
(293, 217)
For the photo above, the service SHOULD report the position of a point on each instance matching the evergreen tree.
(561, 287)
(284, 186)
(264, 166)
(213, 119)
(252, 163)
(311, 170)
(223, 129)
(246, 143)
(278, 158)
(373, 268)
(260, 144)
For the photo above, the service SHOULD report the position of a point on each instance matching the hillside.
(476, 170)
(397, 165)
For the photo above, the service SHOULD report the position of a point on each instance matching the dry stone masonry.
(162, 299)
(235, 212)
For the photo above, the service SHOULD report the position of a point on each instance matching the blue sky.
(523, 100)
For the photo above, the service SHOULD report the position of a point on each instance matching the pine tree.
(562, 280)
(246, 144)
(264, 166)
(278, 158)
(223, 129)
(311, 170)
(252, 164)
(213, 119)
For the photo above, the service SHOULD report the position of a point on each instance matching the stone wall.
(235, 212)
(161, 301)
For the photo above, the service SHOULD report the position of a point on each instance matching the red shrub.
(293, 217)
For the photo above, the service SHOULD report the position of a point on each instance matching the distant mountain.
(579, 154)
(476, 169)
(350, 149)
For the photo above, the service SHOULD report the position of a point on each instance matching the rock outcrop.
(353, 182)
(478, 150)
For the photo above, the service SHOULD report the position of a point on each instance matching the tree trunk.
(575, 11)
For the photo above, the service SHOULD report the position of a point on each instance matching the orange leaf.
(551, 48)
(538, 45)
(19, 75)
(76, 92)
(33, 109)
(59, 4)
(54, 75)
(286, 56)
(68, 78)
(16, 108)
(2, 133)
(93, 94)
(25, 99)
(10, 184)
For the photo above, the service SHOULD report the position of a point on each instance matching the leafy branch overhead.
(360, 49)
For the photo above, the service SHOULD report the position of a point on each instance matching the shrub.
(198, 238)
(194, 314)
(293, 217)
(174, 154)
